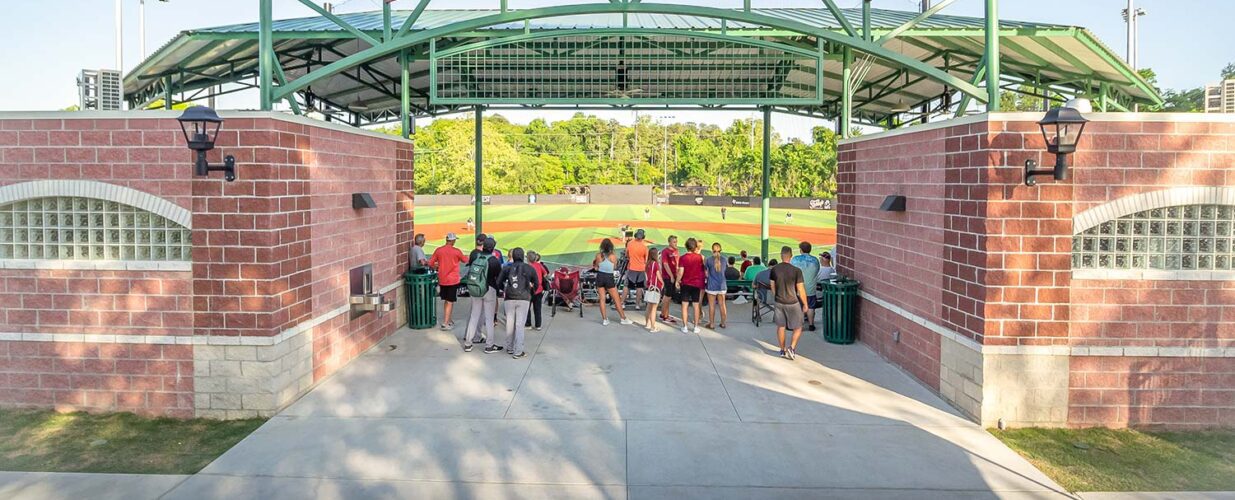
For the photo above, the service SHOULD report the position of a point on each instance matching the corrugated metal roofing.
(1055, 53)
(881, 19)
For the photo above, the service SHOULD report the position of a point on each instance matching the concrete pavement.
(614, 412)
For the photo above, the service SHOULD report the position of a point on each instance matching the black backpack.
(517, 285)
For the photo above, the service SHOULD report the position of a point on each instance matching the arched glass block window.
(88, 229)
(1196, 237)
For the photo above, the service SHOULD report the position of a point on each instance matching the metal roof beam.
(412, 39)
(913, 22)
(342, 24)
(411, 19)
(840, 17)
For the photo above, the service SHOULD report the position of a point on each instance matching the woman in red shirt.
(692, 277)
(533, 259)
(655, 283)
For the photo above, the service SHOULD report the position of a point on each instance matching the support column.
(480, 191)
(992, 55)
(265, 60)
(846, 93)
(405, 100)
(167, 93)
(386, 30)
(766, 203)
(866, 20)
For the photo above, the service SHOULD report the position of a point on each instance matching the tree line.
(543, 157)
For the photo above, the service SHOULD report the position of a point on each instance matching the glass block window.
(1178, 238)
(76, 228)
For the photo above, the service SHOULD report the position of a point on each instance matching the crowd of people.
(656, 278)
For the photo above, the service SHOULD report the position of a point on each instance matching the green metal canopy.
(637, 55)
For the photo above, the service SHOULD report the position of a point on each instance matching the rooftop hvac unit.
(99, 90)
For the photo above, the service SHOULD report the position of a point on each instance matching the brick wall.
(1005, 274)
(265, 302)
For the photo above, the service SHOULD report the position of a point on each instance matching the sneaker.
(604, 322)
(537, 328)
(784, 354)
(810, 327)
(518, 355)
(696, 328)
(493, 349)
(685, 329)
(627, 322)
(444, 327)
(482, 340)
(792, 355)
(654, 330)
(467, 347)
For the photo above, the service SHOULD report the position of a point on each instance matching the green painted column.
(386, 30)
(766, 203)
(480, 188)
(846, 93)
(866, 20)
(265, 60)
(405, 99)
(992, 55)
(167, 92)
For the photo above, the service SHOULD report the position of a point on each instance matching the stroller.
(565, 286)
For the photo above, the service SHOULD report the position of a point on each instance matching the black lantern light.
(201, 127)
(1062, 128)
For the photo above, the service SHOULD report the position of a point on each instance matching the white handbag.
(652, 296)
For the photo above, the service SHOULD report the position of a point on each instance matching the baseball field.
(570, 234)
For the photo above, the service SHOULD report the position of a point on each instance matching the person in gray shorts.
(790, 305)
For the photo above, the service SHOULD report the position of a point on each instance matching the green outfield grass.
(577, 245)
(633, 213)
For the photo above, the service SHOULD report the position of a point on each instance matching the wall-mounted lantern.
(201, 127)
(1062, 128)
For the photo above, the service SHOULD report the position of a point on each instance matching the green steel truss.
(626, 66)
(860, 65)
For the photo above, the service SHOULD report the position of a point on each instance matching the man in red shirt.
(669, 274)
(446, 261)
(745, 263)
(691, 279)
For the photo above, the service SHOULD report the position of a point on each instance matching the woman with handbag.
(655, 284)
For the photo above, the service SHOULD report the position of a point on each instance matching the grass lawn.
(45, 441)
(577, 245)
(1127, 460)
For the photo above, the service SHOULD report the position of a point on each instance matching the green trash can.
(839, 310)
(421, 297)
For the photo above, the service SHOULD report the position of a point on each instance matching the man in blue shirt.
(810, 273)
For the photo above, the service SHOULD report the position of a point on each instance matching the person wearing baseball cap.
(446, 260)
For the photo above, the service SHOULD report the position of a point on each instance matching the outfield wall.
(459, 200)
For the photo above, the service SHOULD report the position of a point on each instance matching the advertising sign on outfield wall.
(751, 201)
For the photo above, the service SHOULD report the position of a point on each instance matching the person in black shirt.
(518, 282)
(483, 307)
(790, 306)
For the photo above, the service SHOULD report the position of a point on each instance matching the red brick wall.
(144, 379)
(343, 238)
(1152, 391)
(1005, 260)
(270, 251)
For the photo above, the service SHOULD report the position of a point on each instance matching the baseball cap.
(639, 234)
(451, 237)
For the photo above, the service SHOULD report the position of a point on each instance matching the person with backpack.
(481, 282)
(605, 265)
(518, 282)
(542, 282)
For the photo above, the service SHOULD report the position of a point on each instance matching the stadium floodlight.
(200, 120)
(1062, 129)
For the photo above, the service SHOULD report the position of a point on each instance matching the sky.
(47, 42)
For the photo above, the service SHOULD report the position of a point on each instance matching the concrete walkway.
(616, 412)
